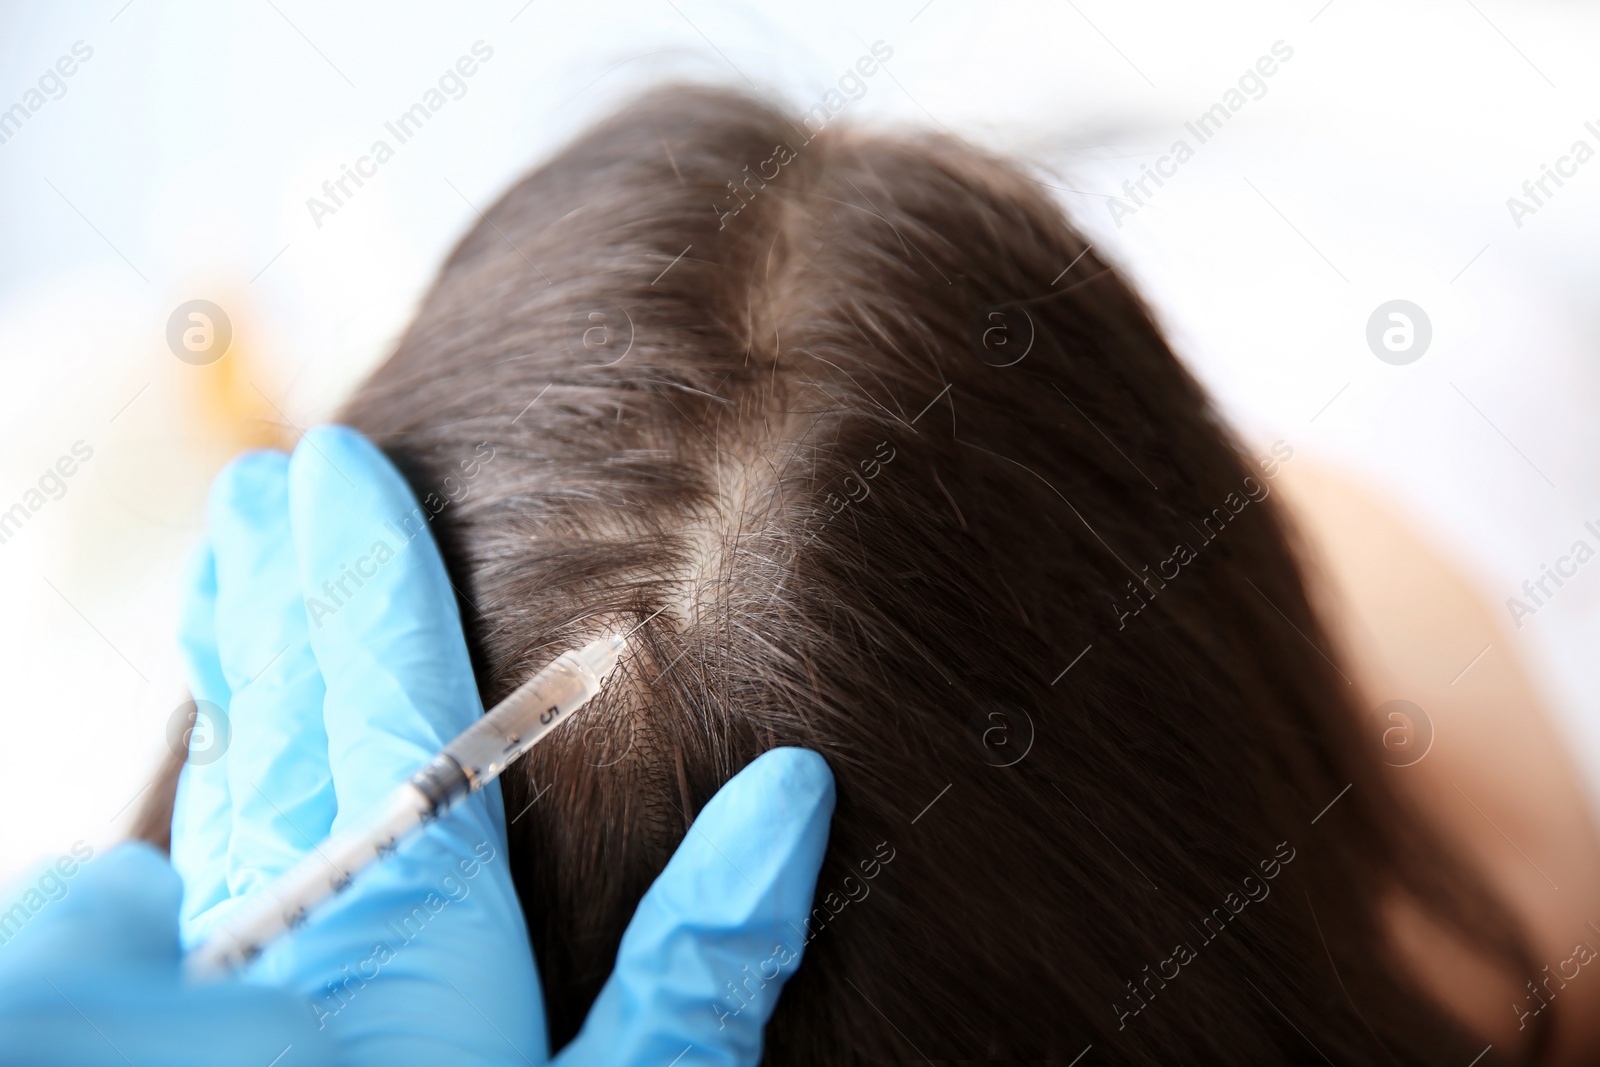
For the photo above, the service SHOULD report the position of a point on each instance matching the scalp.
(842, 522)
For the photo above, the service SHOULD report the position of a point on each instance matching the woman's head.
(898, 469)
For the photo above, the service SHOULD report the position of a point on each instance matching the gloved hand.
(324, 624)
(94, 977)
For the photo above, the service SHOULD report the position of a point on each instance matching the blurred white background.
(177, 162)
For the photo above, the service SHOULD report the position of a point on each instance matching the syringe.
(472, 760)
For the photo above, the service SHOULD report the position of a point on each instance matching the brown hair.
(914, 481)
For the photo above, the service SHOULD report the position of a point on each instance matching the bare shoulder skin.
(1497, 780)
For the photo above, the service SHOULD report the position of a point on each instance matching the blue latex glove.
(334, 694)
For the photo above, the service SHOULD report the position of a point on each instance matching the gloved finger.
(201, 813)
(279, 782)
(383, 618)
(721, 930)
(197, 630)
